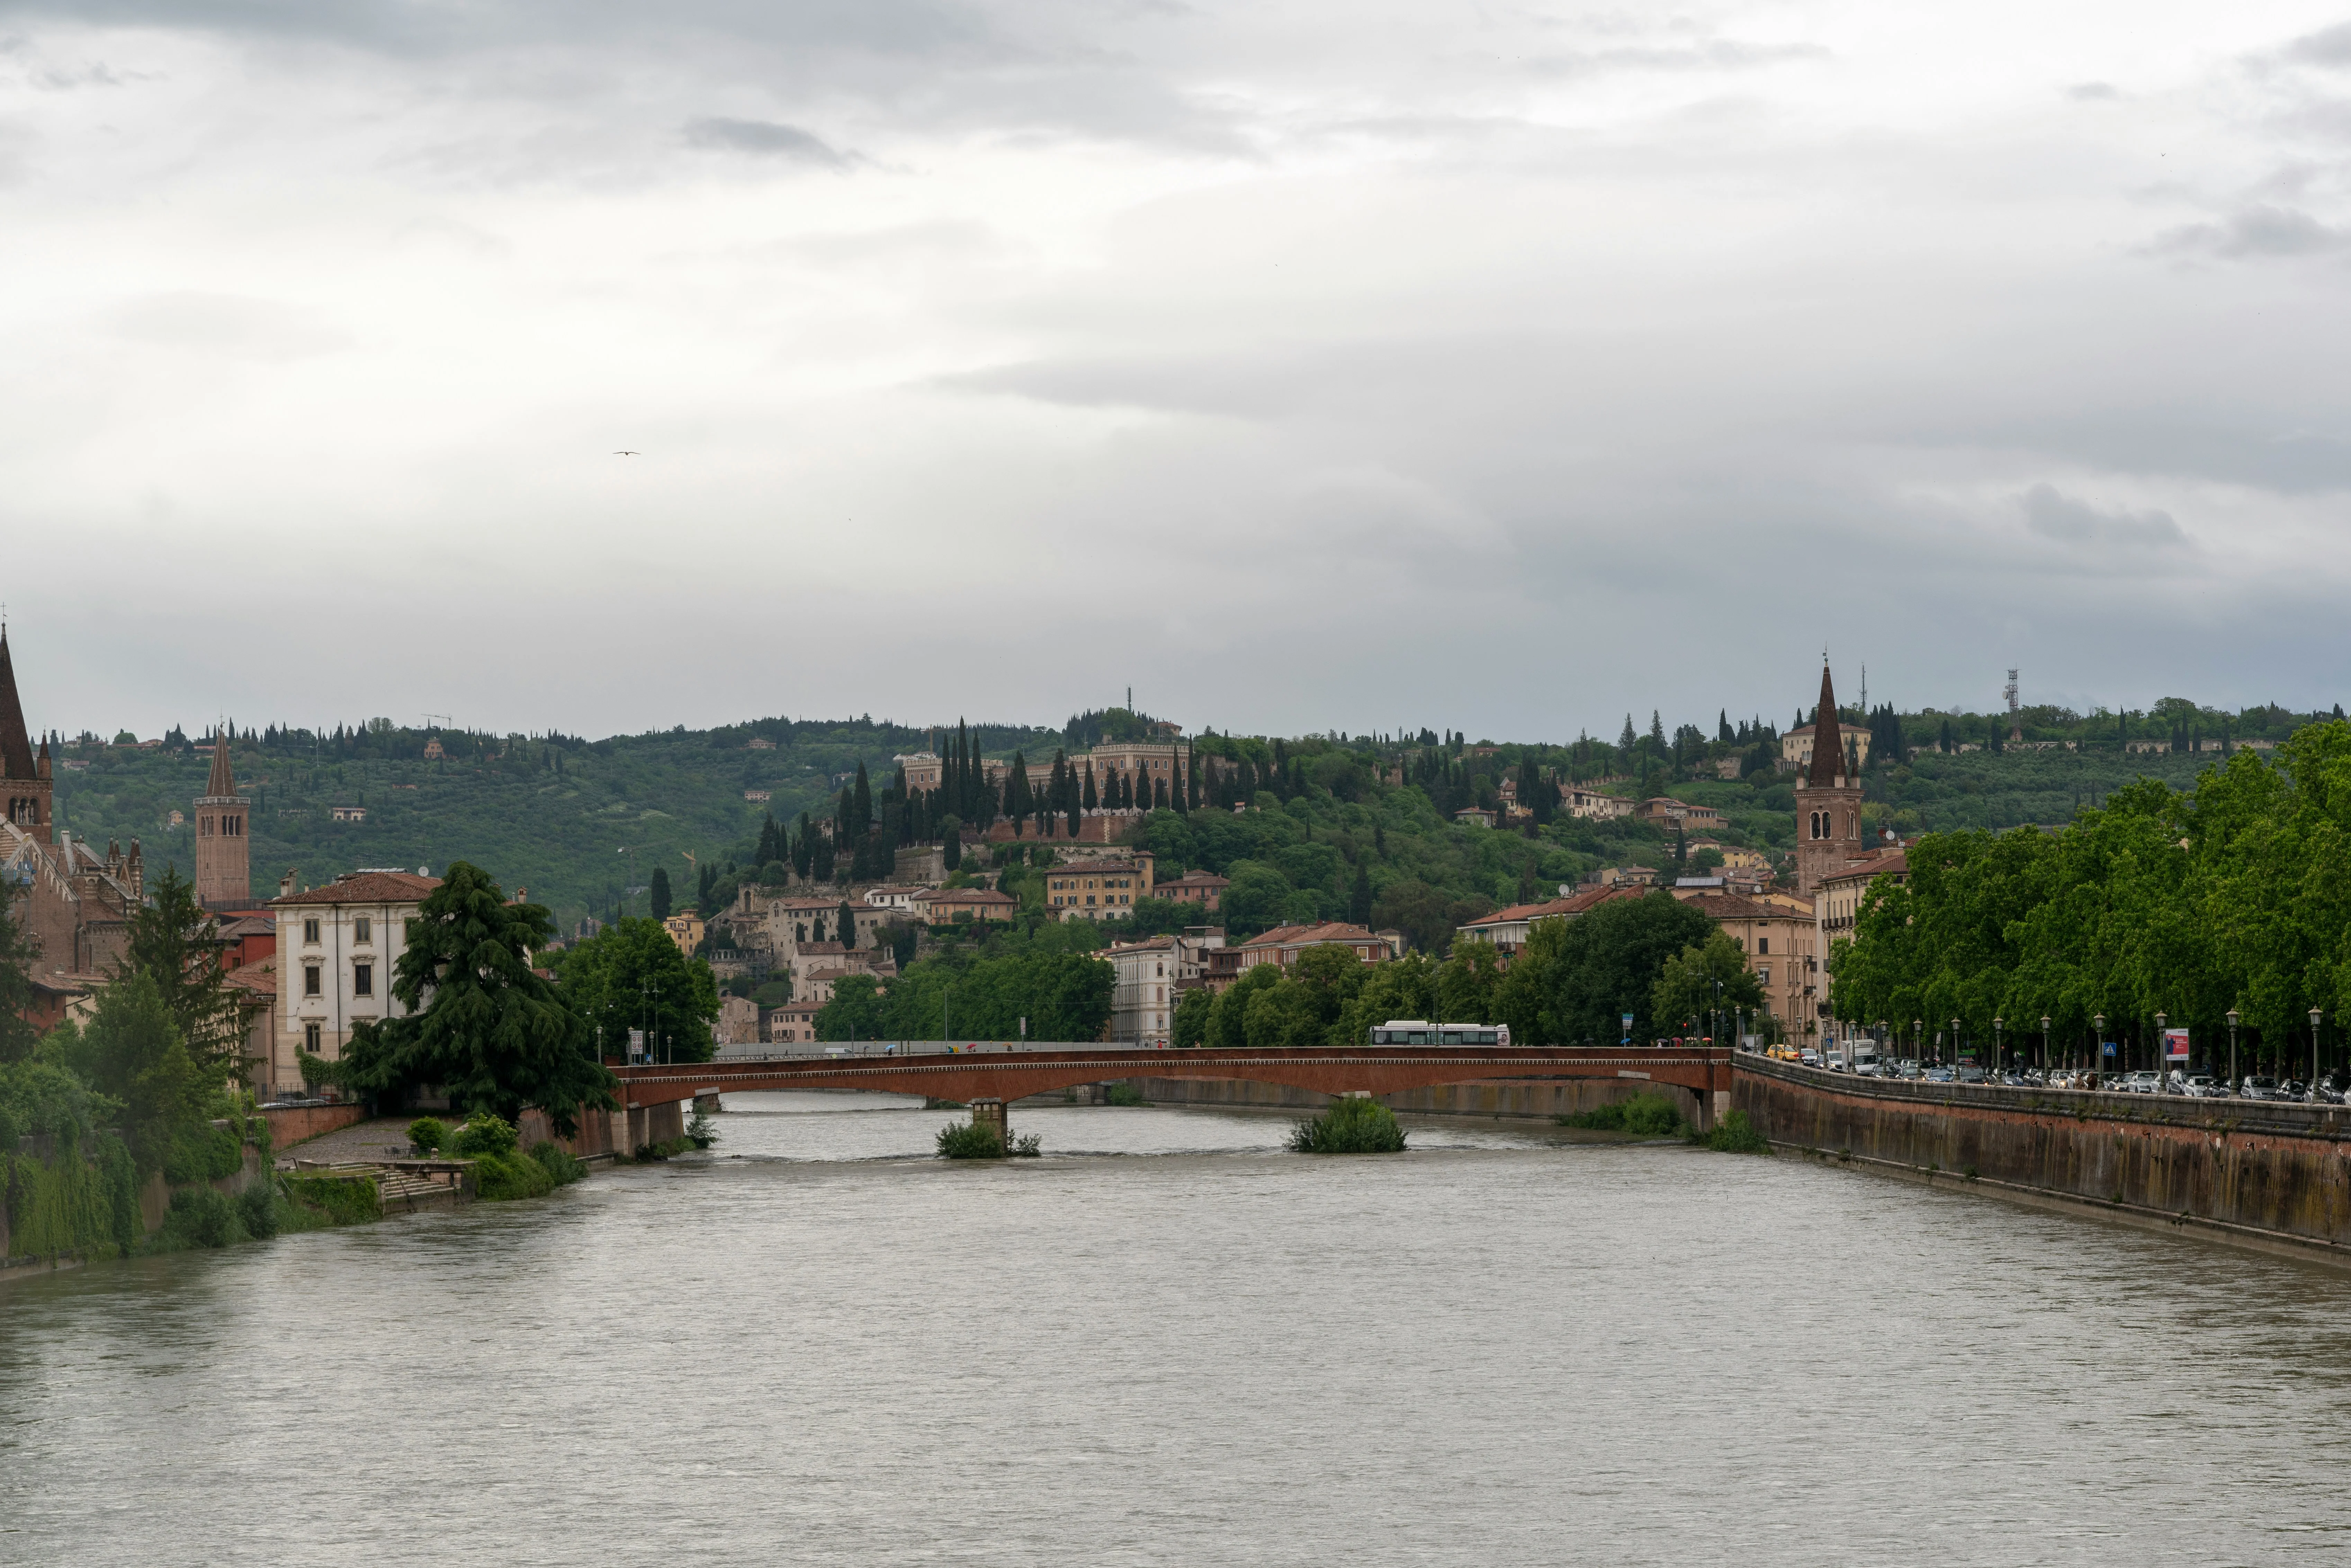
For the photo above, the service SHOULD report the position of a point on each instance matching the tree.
(1190, 1025)
(1607, 965)
(844, 925)
(951, 851)
(1359, 898)
(131, 1051)
(480, 1023)
(173, 942)
(860, 805)
(1704, 979)
(660, 894)
(19, 951)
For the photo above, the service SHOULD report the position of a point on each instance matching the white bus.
(1419, 1031)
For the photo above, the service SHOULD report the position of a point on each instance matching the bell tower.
(1828, 801)
(25, 785)
(224, 855)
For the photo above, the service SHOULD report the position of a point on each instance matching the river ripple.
(1186, 1348)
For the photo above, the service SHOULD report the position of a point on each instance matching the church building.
(75, 904)
(1828, 801)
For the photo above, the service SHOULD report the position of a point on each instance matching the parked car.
(2203, 1086)
(2294, 1090)
(1809, 1057)
(2329, 1090)
(2256, 1087)
(1969, 1072)
(1938, 1073)
(2142, 1083)
(1871, 1067)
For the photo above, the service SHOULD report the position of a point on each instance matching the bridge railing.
(819, 1050)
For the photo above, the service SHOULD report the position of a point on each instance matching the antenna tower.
(2015, 728)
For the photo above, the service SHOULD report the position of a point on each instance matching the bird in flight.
(628, 455)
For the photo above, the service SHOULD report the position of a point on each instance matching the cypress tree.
(846, 924)
(660, 893)
(1359, 898)
(1088, 800)
(951, 852)
(1159, 794)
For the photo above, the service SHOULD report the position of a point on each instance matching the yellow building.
(685, 928)
(1097, 890)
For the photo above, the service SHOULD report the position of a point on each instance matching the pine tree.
(846, 924)
(1722, 726)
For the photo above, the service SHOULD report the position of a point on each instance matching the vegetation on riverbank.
(1648, 1115)
(976, 1140)
(1350, 1126)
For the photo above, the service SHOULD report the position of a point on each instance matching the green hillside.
(579, 822)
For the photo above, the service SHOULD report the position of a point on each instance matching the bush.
(1648, 1115)
(483, 1133)
(699, 1131)
(502, 1177)
(200, 1217)
(558, 1163)
(340, 1200)
(201, 1152)
(1352, 1126)
(969, 1141)
(1737, 1135)
(1125, 1095)
(256, 1209)
(428, 1133)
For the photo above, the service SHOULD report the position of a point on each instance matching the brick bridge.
(651, 1094)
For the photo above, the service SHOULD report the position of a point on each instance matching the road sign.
(2110, 1048)
(1629, 1030)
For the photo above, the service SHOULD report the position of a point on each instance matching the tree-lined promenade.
(2232, 895)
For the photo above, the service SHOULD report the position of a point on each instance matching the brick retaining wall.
(292, 1124)
(2274, 1170)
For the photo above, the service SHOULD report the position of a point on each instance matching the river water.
(1170, 1342)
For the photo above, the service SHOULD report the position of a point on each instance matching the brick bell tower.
(224, 856)
(26, 789)
(1828, 801)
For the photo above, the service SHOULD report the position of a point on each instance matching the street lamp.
(1955, 1040)
(2314, 1016)
(2161, 1049)
(2232, 1051)
(2098, 1057)
(1998, 1057)
(1918, 1034)
(2044, 1042)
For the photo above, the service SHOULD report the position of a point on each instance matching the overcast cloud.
(1301, 365)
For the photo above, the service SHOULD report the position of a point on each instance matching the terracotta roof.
(1197, 879)
(969, 895)
(367, 887)
(1731, 906)
(245, 925)
(261, 979)
(1309, 936)
(1573, 904)
(1879, 862)
(1147, 944)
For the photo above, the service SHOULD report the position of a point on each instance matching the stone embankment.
(2267, 1174)
(1536, 1099)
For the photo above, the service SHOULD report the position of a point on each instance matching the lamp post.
(2232, 1051)
(2044, 1042)
(1955, 1040)
(1918, 1034)
(1999, 1056)
(2098, 1053)
(2314, 1016)
(2162, 1048)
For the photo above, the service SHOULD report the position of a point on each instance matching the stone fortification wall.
(2262, 1171)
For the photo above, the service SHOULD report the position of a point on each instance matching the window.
(1762, 944)
(362, 979)
(310, 932)
(362, 929)
(311, 1038)
(310, 973)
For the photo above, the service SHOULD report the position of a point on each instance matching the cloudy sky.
(1302, 365)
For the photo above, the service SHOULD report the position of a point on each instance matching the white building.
(337, 946)
(1142, 1008)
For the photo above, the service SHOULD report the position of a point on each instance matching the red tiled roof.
(1731, 906)
(367, 887)
(969, 895)
(1198, 879)
(261, 979)
(1309, 936)
(1877, 862)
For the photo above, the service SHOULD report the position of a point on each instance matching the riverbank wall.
(2271, 1175)
(292, 1124)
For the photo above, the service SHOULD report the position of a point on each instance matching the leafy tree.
(1468, 982)
(630, 975)
(19, 951)
(1686, 988)
(480, 1022)
(132, 1053)
(174, 943)
(1189, 1027)
(660, 894)
(1359, 899)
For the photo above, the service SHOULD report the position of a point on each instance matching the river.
(1170, 1342)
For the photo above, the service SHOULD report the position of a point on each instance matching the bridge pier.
(990, 1113)
(659, 1122)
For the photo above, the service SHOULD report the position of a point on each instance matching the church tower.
(25, 787)
(224, 867)
(1828, 801)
